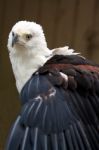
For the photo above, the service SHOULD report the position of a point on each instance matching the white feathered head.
(26, 35)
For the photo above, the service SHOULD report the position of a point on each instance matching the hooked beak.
(14, 40)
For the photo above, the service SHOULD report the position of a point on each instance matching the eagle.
(59, 94)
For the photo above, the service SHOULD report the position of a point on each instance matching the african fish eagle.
(59, 92)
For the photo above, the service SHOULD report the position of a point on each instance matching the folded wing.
(60, 107)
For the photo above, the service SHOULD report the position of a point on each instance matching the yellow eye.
(28, 36)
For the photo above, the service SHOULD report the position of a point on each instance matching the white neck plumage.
(28, 50)
(25, 63)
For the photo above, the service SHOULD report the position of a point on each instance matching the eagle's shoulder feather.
(61, 106)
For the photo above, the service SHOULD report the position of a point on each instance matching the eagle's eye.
(28, 36)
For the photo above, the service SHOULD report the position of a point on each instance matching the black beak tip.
(14, 40)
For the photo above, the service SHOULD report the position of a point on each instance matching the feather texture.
(60, 107)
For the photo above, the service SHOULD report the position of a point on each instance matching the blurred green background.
(66, 22)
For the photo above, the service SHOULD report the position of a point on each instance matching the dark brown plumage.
(60, 107)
